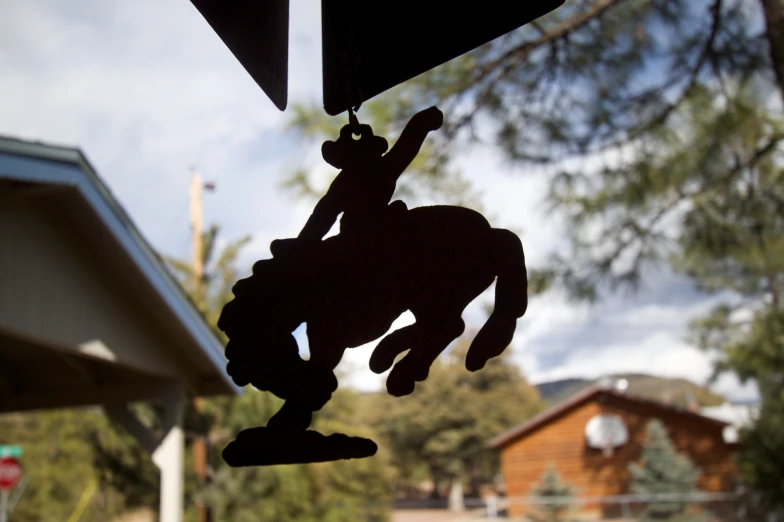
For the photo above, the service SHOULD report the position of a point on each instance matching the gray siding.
(55, 288)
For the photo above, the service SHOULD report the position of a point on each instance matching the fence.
(719, 507)
(716, 507)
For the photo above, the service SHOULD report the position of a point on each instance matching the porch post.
(169, 457)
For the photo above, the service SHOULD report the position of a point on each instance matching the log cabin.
(559, 437)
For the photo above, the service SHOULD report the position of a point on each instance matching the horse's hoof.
(491, 341)
(474, 364)
(383, 357)
(400, 387)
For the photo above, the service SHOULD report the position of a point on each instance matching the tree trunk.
(774, 22)
(456, 504)
(435, 476)
(434, 495)
(475, 481)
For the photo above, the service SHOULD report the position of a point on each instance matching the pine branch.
(739, 167)
(497, 69)
(231, 251)
(774, 18)
(182, 267)
(562, 30)
(208, 244)
(705, 54)
(642, 233)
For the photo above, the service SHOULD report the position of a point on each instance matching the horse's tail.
(511, 300)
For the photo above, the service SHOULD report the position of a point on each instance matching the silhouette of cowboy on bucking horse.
(349, 289)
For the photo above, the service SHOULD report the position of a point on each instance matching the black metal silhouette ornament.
(350, 288)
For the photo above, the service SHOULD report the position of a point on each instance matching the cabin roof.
(589, 394)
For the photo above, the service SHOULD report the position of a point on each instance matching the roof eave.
(532, 424)
(167, 287)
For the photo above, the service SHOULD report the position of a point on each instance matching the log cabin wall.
(561, 441)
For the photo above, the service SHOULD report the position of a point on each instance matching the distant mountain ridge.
(675, 391)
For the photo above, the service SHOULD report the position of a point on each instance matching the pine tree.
(753, 349)
(552, 487)
(663, 470)
(213, 290)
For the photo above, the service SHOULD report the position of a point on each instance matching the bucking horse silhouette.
(349, 288)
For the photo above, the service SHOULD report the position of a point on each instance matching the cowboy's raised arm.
(325, 214)
(411, 139)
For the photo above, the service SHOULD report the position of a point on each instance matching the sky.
(148, 91)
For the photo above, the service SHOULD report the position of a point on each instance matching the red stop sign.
(10, 471)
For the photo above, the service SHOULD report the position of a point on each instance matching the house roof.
(738, 415)
(586, 395)
(68, 167)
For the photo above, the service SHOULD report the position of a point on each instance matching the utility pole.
(197, 261)
(197, 266)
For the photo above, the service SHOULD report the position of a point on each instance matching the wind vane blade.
(257, 33)
(397, 41)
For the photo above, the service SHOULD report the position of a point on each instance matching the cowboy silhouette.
(365, 185)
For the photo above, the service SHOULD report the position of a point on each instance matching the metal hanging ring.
(353, 121)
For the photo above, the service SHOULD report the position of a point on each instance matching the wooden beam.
(120, 414)
(92, 351)
(12, 374)
(143, 390)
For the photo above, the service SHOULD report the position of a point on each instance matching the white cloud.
(731, 387)
(661, 354)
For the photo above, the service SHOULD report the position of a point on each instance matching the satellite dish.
(621, 385)
(606, 432)
(730, 434)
